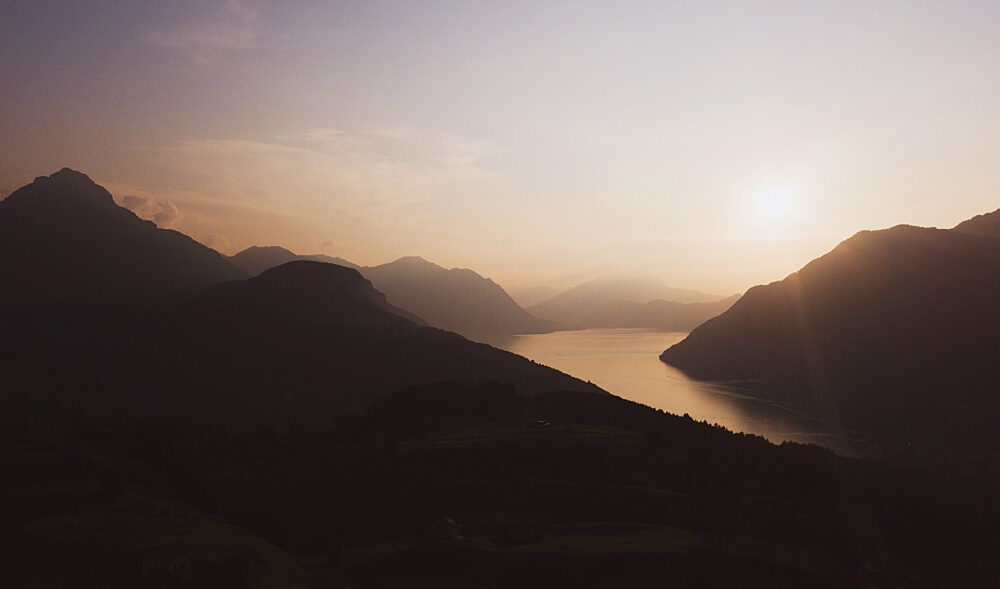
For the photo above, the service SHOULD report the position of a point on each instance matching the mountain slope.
(63, 239)
(574, 305)
(894, 332)
(458, 299)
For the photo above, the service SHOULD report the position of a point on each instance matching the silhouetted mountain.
(458, 300)
(301, 343)
(317, 292)
(986, 225)
(658, 314)
(256, 259)
(576, 304)
(895, 333)
(63, 239)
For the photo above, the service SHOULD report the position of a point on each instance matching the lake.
(626, 362)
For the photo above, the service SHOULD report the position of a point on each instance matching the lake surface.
(626, 362)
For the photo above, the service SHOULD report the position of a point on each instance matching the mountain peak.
(68, 179)
(413, 264)
(64, 239)
(65, 187)
(70, 174)
(266, 248)
(414, 261)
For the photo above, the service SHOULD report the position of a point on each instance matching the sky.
(713, 144)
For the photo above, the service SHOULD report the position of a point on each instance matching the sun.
(772, 204)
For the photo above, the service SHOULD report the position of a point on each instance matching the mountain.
(302, 343)
(316, 292)
(63, 239)
(658, 314)
(256, 259)
(458, 299)
(576, 304)
(895, 333)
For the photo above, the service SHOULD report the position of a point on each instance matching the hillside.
(63, 239)
(446, 485)
(894, 333)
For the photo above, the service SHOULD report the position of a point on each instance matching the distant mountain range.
(630, 302)
(895, 333)
(63, 239)
(658, 314)
(458, 299)
(465, 302)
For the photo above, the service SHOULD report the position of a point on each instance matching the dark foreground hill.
(895, 333)
(449, 485)
(301, 343)
(63, 239)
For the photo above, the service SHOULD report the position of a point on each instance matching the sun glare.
(772, 204)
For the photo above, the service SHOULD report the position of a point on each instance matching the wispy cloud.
(354, 190)
(232, 26)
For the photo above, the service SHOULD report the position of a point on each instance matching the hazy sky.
(714, 144)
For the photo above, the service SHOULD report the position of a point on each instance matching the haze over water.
(626, 363)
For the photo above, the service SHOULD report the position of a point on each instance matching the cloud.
(354, 192)
(369, 170)
(232, 26)
(162, 212)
